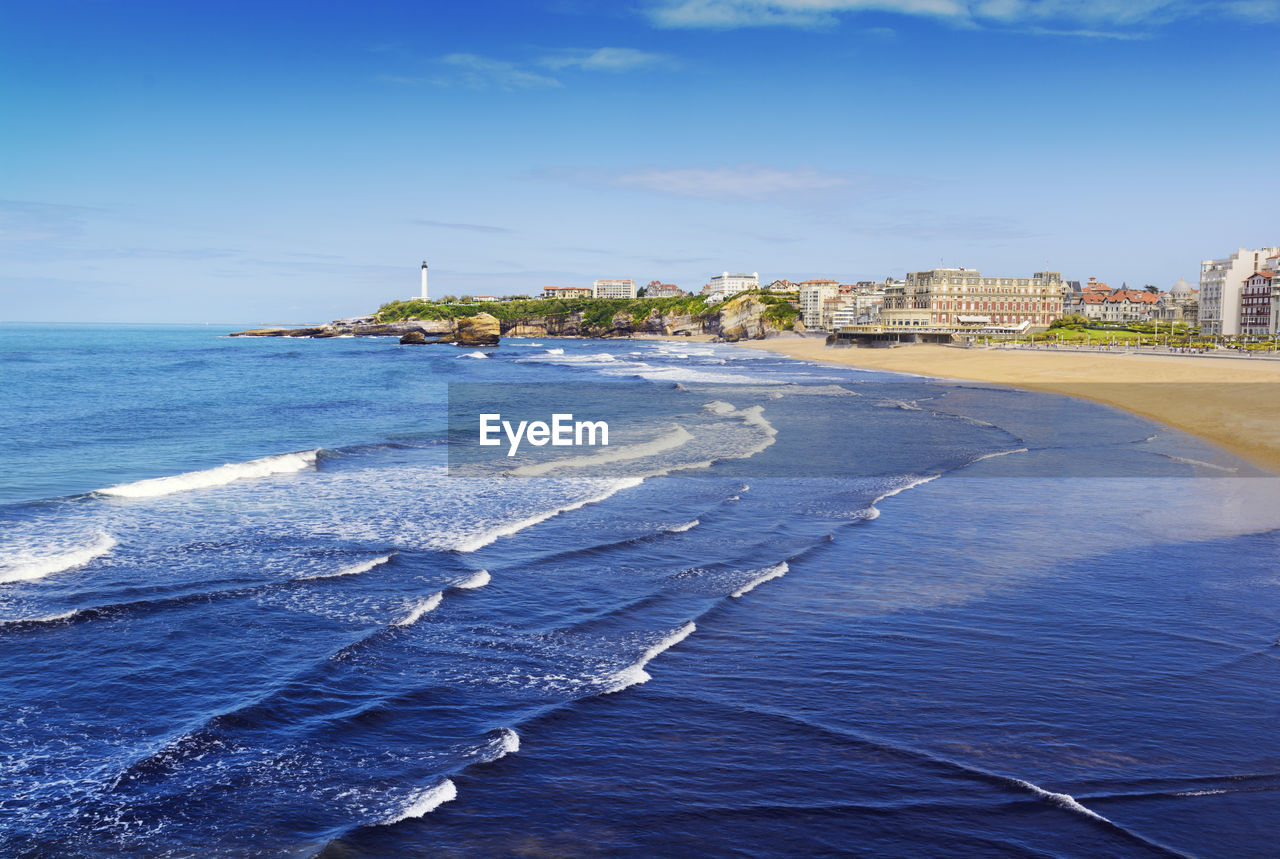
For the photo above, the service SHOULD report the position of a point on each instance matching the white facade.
(424, 280)
(812, 295)
(1221, 281)
(728, 285)
(614, 289)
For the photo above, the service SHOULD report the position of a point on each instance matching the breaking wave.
(282, 464)
(25, 568)
(426, 802)
(773, 572)
(420, 608)
(634, 673)
(478, 580)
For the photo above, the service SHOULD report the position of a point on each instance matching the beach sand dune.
(1232, 402)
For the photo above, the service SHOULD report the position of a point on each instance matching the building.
(728, 285)
(959, 299)
(424, 281)
(487, 298)
(781, 286)
(1181, 304)
(1255, 305)
(658, 289)
(1221, 281)
(566, 292)
(812, 295)
(614, 289)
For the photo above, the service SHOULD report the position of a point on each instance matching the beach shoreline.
(1224, 401)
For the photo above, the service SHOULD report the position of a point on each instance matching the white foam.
(678, 437)
(635, 674)
(873, 512)
(676, 529)
(51, 618)
(427, 801)
(998, 453)
(420, 608)
(1062, 800)
(353, 570)
(556, 351)
(484, 538)
(29, 567)
(474, 355)
(220, 476)
(773, 572)
(1200, 464)
(477, 580)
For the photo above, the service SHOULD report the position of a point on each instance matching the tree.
(449, 299)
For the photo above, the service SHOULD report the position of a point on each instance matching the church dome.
(1181, 289)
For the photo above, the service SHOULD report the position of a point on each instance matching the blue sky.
(226, 162)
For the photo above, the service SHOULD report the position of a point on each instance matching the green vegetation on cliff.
(596, 312)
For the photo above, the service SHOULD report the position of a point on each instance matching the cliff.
(749, 316)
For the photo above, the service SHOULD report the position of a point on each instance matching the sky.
(290, 162)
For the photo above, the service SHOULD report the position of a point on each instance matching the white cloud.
(480, 72)
(1062, 17)
(744, 182)
(608, 60)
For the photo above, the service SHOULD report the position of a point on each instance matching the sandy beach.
(1227, 401)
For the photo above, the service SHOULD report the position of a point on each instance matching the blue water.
(246, 608)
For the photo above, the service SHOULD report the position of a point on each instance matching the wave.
(477, 580)
(678, 437)
(474, 355)
(420, 608)
(353, 570)
(677, 529)
(506, 743)
(1196, 463)
(479, 541)
(426, 802)
(281, 464)
(873, 512)
(25, 568)
(995, 455)
(52, 618)
(635, 674)
(773, 572)
(556, 351)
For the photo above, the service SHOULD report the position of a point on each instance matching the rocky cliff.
(744, 317)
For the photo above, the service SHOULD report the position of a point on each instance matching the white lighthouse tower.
(424, 280)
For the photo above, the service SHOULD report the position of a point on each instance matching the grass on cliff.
(596, 312)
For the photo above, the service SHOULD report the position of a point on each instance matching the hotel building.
(813, 293)
(614, 288)
(1255, 304)
(566, 292)
(728, 285)
(962, 299)
(1221, 281)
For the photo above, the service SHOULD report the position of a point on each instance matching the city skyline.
(231, 164)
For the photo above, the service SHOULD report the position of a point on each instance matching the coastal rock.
(483, 329)
(742, 318)
(413, 338)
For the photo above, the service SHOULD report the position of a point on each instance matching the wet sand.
(1232, 402)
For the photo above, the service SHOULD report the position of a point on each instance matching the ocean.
(265, 597)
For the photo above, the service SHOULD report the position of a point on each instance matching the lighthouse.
(424, 280)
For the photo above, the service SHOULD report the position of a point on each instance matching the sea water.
(248, 608)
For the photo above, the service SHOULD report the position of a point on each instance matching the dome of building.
(1181, 289)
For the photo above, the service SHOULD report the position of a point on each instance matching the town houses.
(1238, 295)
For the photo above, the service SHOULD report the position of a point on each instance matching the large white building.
(613, 288)
(726, 285)
(1221, 281)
